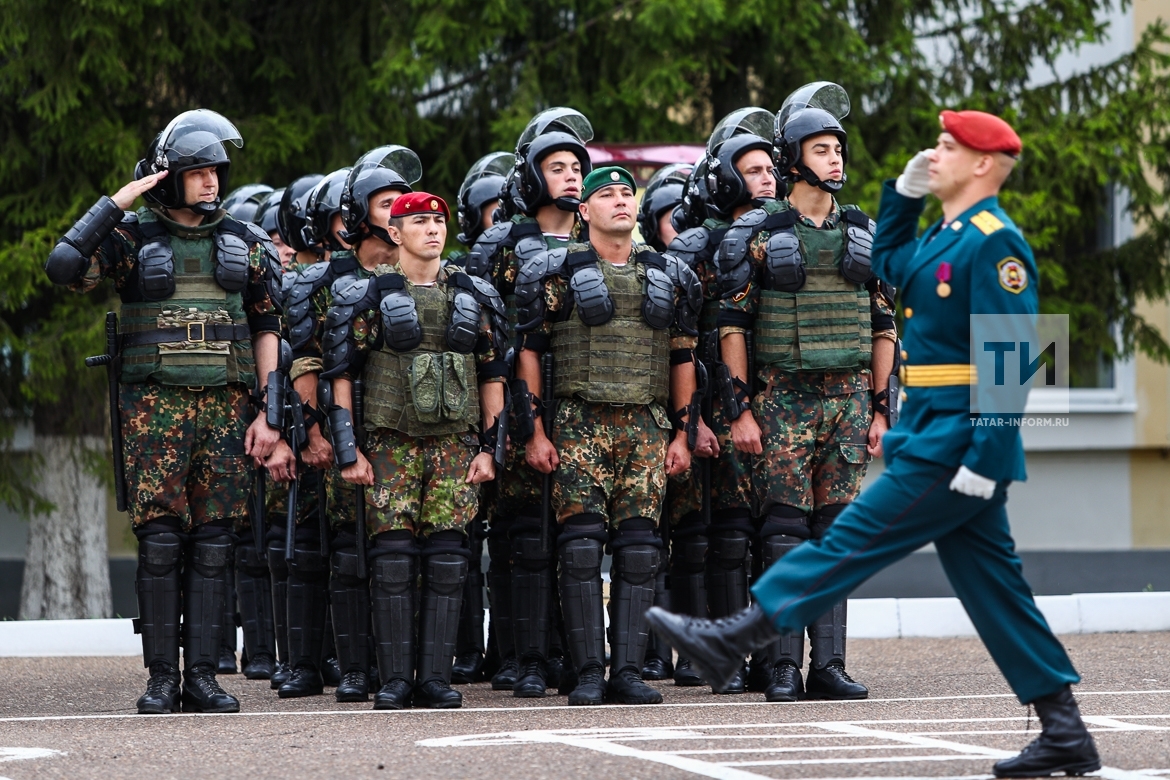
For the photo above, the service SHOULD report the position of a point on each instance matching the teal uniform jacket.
(992, 272)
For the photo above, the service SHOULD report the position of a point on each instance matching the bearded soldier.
(200, 319)
(425, 340)
(542, 192)
(351, 209)
(619, 321)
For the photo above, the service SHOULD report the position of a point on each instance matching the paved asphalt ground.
(938, 709)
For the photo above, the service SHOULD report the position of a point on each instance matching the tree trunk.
(66, 567)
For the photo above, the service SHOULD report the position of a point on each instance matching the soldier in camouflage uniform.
(478, 203)
(199, 320)
(620, 322)
(350, 208)
(251, 588)
(711, 556)
(797, 273)
(425, 340)
(541, 196)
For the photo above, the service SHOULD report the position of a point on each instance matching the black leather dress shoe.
(437, 695)
(394, 695)
(686, 676)
(833, 683)
(354, 686)
(201, 693)
(304, 681)
(626, 687)
(162, 691)
(784, 683)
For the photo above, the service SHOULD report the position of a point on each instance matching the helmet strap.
(806, 175)
(567, 204)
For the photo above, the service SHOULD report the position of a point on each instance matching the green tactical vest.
(452, 389)
(197, 298)
(824, 326)
(624, 361)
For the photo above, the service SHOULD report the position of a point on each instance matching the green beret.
(607, 177)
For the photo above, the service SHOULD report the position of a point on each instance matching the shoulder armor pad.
(348, 291)
(481, 259)
(402, 330)
(685, 278)
(463, 327)
(337, 345)
(530, 246)
(752, 219)
(156, 270)
(232, 267)
(855, 264)
(298, 302)
(784, 263)
(129, 218)
(542, 266)
(733, 267)
(530, 286)
(658, 296)
(488, 295)
(692, 245)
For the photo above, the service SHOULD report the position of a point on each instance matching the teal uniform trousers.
(989, 270)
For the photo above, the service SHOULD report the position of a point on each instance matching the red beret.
(419, 203)
(981, 132)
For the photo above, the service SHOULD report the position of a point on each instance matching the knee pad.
(307, 564)
(526, 552)
(636, 564)
(785, 520)
(394, 573)
(824, 517)
(445, 573)
(343, 565)
(689, 555)
(581, 558)
(276, 563)
(729, 540)
(210, 557)
(159, 553)
(250, 561)
(393, 543)
(635, 531)
(584, 526)
(775, 547)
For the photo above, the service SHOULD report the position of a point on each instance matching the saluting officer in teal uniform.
(947, 471)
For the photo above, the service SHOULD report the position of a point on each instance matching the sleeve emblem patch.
(1013, 277)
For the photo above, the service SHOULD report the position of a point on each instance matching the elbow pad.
(67, 261)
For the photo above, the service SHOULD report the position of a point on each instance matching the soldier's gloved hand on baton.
(969, 483)
(915, 179)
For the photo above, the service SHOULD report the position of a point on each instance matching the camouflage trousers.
(731, 477)
(613, 460)
(815, 427)
(184, 452)
(518, 491)
(420, 482)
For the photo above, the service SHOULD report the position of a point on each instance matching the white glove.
(969, 483)
(915, 180)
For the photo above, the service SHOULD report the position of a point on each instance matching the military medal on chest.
(943, 275)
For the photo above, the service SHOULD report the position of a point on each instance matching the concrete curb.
(1082, 613)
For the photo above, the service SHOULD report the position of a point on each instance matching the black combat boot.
(158, 586)
(254, 589)
(204, 591)
(580, 552)
(350, 606)
(393, 596)
(532, 588)
(308, 605)
(716, 647)
(659, 659)
(1064, 745)
(330, 664)
(827, 678)
(728, 566)
(442, 594)
(631, 594)
(279, 574)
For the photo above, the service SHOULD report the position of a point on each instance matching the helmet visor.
(568, 120)
(824, 95)
(327, 193)
(676, 173)
(752, 120)
(191, 132)
(398, 159)
(494, 164)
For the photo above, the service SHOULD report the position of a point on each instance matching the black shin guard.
(393, 596)
(158, 586)
(532, 590)
(499, 583)
(789, 647)
(631, 594)
(349, 599)
(827, 633)
(728, 565)
(254, 588)
(308, 604)
(204, 591)
(278, 571)
(444, 572)
(688, 562)
(470, 637)
(580, 550)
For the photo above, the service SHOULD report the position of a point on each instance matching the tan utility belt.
(942, 375)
